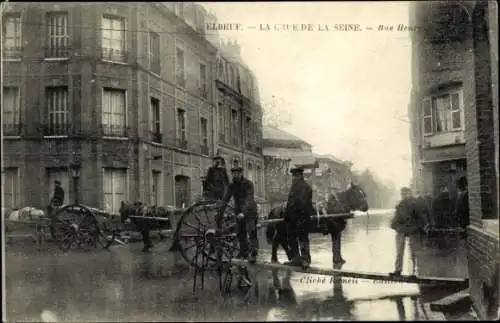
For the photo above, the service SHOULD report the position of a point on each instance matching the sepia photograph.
(250, 161)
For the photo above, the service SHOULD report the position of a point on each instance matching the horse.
(352, 199)
(144, 226)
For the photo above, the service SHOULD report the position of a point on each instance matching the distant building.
(454, 114)
(283, 151)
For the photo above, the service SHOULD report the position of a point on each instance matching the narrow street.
(127, 285)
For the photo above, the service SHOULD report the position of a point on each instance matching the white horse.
(26, 214)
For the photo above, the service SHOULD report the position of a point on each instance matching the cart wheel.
(197, 228)
(74, 225)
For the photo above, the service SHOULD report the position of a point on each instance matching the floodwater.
(126, 285)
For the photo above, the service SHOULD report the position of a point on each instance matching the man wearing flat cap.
(217, 181)
(299, 209)
(242, 190)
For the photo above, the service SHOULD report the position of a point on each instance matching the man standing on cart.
(57, 199)
(245, 207)
(217, 180)
(299, 209)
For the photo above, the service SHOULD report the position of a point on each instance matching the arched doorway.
(182, 191)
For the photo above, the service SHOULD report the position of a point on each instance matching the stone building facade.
(458, 47)
(116, 100)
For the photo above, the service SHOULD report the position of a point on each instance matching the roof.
(297, 157)
(273, 133)
(332, 158)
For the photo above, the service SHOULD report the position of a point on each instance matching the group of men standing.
(298, 212)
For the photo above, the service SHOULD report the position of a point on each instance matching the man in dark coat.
(245, 207)
(217, 180)
(462, 206)
(299, 209)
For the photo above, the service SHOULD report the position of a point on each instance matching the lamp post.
(75, 173)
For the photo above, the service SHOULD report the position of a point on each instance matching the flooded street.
(127, 285)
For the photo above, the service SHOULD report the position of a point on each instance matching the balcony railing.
(12, 52)
(181, 143)
(204, 149)
(11, 129)
(156, 137)
(109, 130)
(56, 130)
(57, 52)
(249, 145)
(114, 55)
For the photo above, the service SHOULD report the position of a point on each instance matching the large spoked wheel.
(74, 226)
(200, 243)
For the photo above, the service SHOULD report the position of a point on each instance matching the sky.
(344, 92)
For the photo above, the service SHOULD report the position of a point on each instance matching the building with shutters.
(115, 100)
(454, 117)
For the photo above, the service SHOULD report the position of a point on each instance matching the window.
(427, 109)
(180, 70)
(220, 71)
(443, 113)
(113, 39)
(235, 126)
(179, 9)
(259, 182)
(221, 121)
(227, 124)
(11, 188)
(250, 173)
(156, 121)
(156, 189)
(181, 129)
(57, 31)
(58, 112)
(204, 135)
(248, 130)
(113, 113)
(11, 111)
(114, 188)
(60, 174)
(12, 35)
(229, 75)
(154, 52)
(203, 81)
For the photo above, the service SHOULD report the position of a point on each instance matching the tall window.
(204, 135)
(179, 9)
(11, 111)
(235, 126)
(156, 189)
(12, 36)
(227, 124)
(114, 188)
(180, 68)
(203, 81)
(221, 121)
(250, 174)
(58, 111)
(156, 121)
(181, 129)
(443, 113)
(60, 174)
(11, 188)
(113, 38)
(248, 132)
(57, 31)
(114, 113)
(154, 52)
(259, 182)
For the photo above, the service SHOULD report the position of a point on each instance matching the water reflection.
(128, 285)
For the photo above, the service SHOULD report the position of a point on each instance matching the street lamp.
(75, 173)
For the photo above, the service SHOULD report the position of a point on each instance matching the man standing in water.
(299, 209)
(407, 222)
